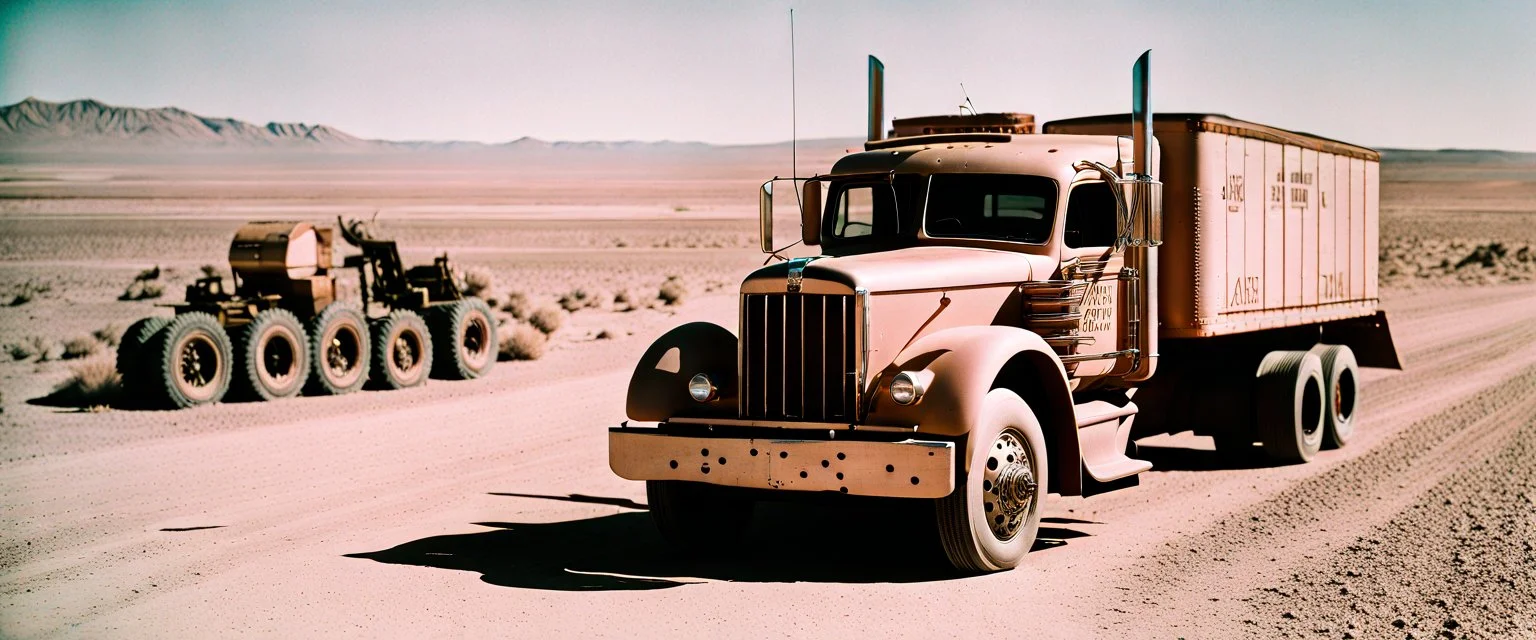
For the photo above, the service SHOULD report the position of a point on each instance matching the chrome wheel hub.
(1008, 485)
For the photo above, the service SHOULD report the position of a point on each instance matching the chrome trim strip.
(827, 426)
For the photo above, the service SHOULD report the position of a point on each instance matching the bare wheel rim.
(1008, 485)
(342, 353)
(197, 366)
(406, 355)
(475, 342)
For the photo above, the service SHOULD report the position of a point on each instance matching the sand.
(486, 508)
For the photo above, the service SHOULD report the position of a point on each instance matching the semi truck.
(997, 313)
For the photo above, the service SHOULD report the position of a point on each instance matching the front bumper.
(905, 469)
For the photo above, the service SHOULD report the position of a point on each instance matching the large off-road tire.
(463, 339)
(188, 361)
(991, 519)
(1288, 405)
(1341, 393)
(402, 350)
(271, 356)
(339, 350)
(696, 518)
(133, 365)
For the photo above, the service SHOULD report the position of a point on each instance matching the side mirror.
(765, 216)
(810, 214)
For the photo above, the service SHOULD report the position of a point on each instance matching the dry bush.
(211, 271)
(110, 335)
(605, 334)
(81, 347)
(478, 282)
(19, 351)
(518, 305)
(547, 319)
(147, 275)
(142, 290)
(41, 347)
(623, 300)
(93, 383)
(522, 342)
(28, 291)
(672, 291)
(579, 299)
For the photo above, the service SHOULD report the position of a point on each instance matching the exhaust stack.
(1141, 115)
(876, 99)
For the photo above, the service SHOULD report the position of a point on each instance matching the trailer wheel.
(1341, 393)
(402, 350)
(697, 518)
(1288, 403)
(189, 362)
(132, 363)
(464, 338)
(271, 356)
(338, 351)
(991, 519)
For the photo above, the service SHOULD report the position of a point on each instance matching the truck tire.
(1341, 393)
(402, 350)
(1288, 405)
(696, 518)
(271, 356)
(132, 363)
(189, 362)
(991, 519)
(339, 350)
(464, 339)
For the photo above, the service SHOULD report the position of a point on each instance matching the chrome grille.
(799, 357)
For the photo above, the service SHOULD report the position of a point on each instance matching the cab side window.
(1090, 216)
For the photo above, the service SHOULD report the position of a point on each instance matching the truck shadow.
(789, 542)
(1166, 458)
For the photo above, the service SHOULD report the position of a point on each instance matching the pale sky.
(1383, 74)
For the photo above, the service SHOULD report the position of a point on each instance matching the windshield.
(860, 211)
(991, 207)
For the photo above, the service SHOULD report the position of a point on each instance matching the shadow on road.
(1188, 459)
(841, 542)
(577, 497)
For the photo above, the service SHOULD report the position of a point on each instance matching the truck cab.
(974, 331)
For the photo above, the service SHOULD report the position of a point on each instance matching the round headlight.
(701, 389)
(906, 388)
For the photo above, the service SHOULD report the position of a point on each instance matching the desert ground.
(487, 508)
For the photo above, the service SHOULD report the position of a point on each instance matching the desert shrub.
(211, 271)
(110, 334)
(148, 275)
(518, 305)
(522, 342)
(28, 291)
(42, 347)
(93, 383)
(547, 319)
(478, 282)
(605, 334)
(672, 291)
(622, 299)
(81, 347)
(579, 299)
(19, 351)
(142, 290)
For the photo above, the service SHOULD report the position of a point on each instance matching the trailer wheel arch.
(963, 365)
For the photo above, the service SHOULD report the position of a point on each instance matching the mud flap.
(1104, 430)
(1369, 337)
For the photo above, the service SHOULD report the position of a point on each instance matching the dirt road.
(487, 508)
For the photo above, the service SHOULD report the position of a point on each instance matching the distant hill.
(88, 124)
(1456, 156)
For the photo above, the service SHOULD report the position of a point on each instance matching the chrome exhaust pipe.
(1141, 115)
(876, 99)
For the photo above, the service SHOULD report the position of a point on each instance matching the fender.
(658, 389)
(960, 365)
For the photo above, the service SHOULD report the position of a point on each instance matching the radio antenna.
(794, 112)
(968, 104)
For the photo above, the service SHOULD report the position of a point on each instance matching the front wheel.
(991, 519)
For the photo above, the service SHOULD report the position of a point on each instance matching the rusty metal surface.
(906, 469)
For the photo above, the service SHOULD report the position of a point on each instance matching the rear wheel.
(698, 518)
(402, 350)
(273, 356)
(991, 519)
(1288, 401)
(133, 364)
(1341, 393)
(464, 339)
(189, 362)
(339, 350)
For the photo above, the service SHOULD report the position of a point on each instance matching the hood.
(909, 269)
